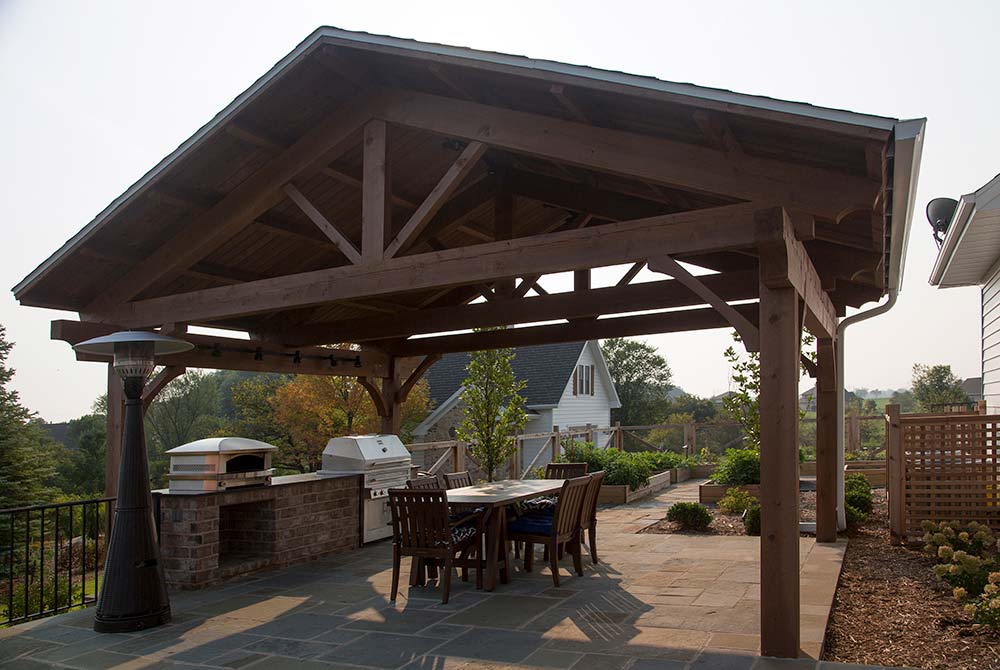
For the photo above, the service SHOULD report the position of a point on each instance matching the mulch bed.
(890, 609)
(730, 524)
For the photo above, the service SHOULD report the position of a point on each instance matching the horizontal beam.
(626, 326)
(701, 231)
(226, 353)
(508, 311)
(785, 262)
(819, 191)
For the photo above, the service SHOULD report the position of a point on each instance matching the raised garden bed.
(705, 470)
(731, 524)
(679, 475)
(620, 495)
(709, 494)
(874, 471)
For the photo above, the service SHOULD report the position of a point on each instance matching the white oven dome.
(221, 445)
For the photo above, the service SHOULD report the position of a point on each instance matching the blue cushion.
(539, 505)
(531, 524)
(460, 534)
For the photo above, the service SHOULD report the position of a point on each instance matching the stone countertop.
(275, 481)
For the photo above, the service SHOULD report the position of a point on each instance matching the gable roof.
(971, 247)
(546, 368)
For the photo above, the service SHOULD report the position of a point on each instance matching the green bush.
(858, 503)
(690, 516)
(854, 515)
(738, 468)
(736, 501)
(621, 468)
(751, 520)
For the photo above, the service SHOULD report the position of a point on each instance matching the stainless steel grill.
(384, 463)
(219, 463)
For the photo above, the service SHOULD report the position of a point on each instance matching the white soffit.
(971, 248)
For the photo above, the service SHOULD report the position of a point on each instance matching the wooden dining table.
(495, 497)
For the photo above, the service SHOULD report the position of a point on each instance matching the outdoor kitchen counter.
(207, 538)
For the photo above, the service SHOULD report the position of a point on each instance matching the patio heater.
(134, 593)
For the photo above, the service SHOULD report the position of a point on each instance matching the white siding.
(539, 424)
(991, 343)
(579, 410)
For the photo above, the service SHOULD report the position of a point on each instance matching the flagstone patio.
(654, 601)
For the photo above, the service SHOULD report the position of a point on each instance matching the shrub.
(621, 468)
(985, 609)
(736, 501)
(854, 515)
(690, 516)
(751, 520)
(738, 468)
(626, 471)
(965, 555)
(858, 502)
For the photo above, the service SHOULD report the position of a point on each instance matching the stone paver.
(662, 602)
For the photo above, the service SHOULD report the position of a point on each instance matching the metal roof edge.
(908, 147)
(961, 220)
(638, 81)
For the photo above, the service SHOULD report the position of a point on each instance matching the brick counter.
(211, 537)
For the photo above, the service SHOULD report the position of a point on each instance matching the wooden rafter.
(404, 390)
(225, 353)
(717, 132)
(702, 231)
(254, 196)
(632, 272)
(527, 283)
(438, 196)
(376, 192)
(577, 197)
(747, 331)
(626, 326)
(559, 93)
(785, 262)
(664, 294)
(816, 190)
(331, 231)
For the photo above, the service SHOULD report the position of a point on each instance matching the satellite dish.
(939, 213)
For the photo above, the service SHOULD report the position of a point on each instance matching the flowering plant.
(986, 608)
(968, 560)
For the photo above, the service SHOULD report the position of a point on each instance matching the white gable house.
(568, 385)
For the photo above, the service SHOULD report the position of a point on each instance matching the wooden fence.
(941, 467)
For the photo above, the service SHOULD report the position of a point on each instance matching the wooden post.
(392, 420)
(853, 434)
(376, 187)
(515, 460)
(894, 472)
(779, 470)
(618, 435)
(826, 441)
(690, 435)
(115, 425)
(556, 443)
(981, 407)
(459, 459)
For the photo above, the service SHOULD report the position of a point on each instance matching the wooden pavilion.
(367, 189)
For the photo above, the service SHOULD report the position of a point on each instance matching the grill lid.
(222, 445)
(358, 453)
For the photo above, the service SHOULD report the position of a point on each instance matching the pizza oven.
(219, 463)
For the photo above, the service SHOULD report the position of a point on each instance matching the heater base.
(132, 623)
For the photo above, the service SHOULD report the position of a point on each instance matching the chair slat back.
(589, 510)
(420, 518)
(425, 483)
(457, 480)
(565, 470)
(568, 508)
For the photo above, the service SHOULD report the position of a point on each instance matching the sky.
(95, 94)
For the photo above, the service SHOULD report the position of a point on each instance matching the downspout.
(841, 327)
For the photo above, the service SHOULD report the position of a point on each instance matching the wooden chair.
(429, 483)
(561, 528)
(421, 529)
(457, 480)
(565, 470)
(588, 514)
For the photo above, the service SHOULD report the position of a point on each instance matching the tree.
(641, 377)
(254, 418)
(936, 385)
(744, 403)
(493, 409)
(312, 409)
(905, 400)
(186, 410)
(81, 472)
(699, 409)
(26, 472)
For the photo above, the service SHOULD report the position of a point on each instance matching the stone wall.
(296, 519)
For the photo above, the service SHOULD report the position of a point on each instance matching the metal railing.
(52, 557)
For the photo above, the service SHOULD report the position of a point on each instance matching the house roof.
(973, 386)
(971, 247)
(546, 369)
